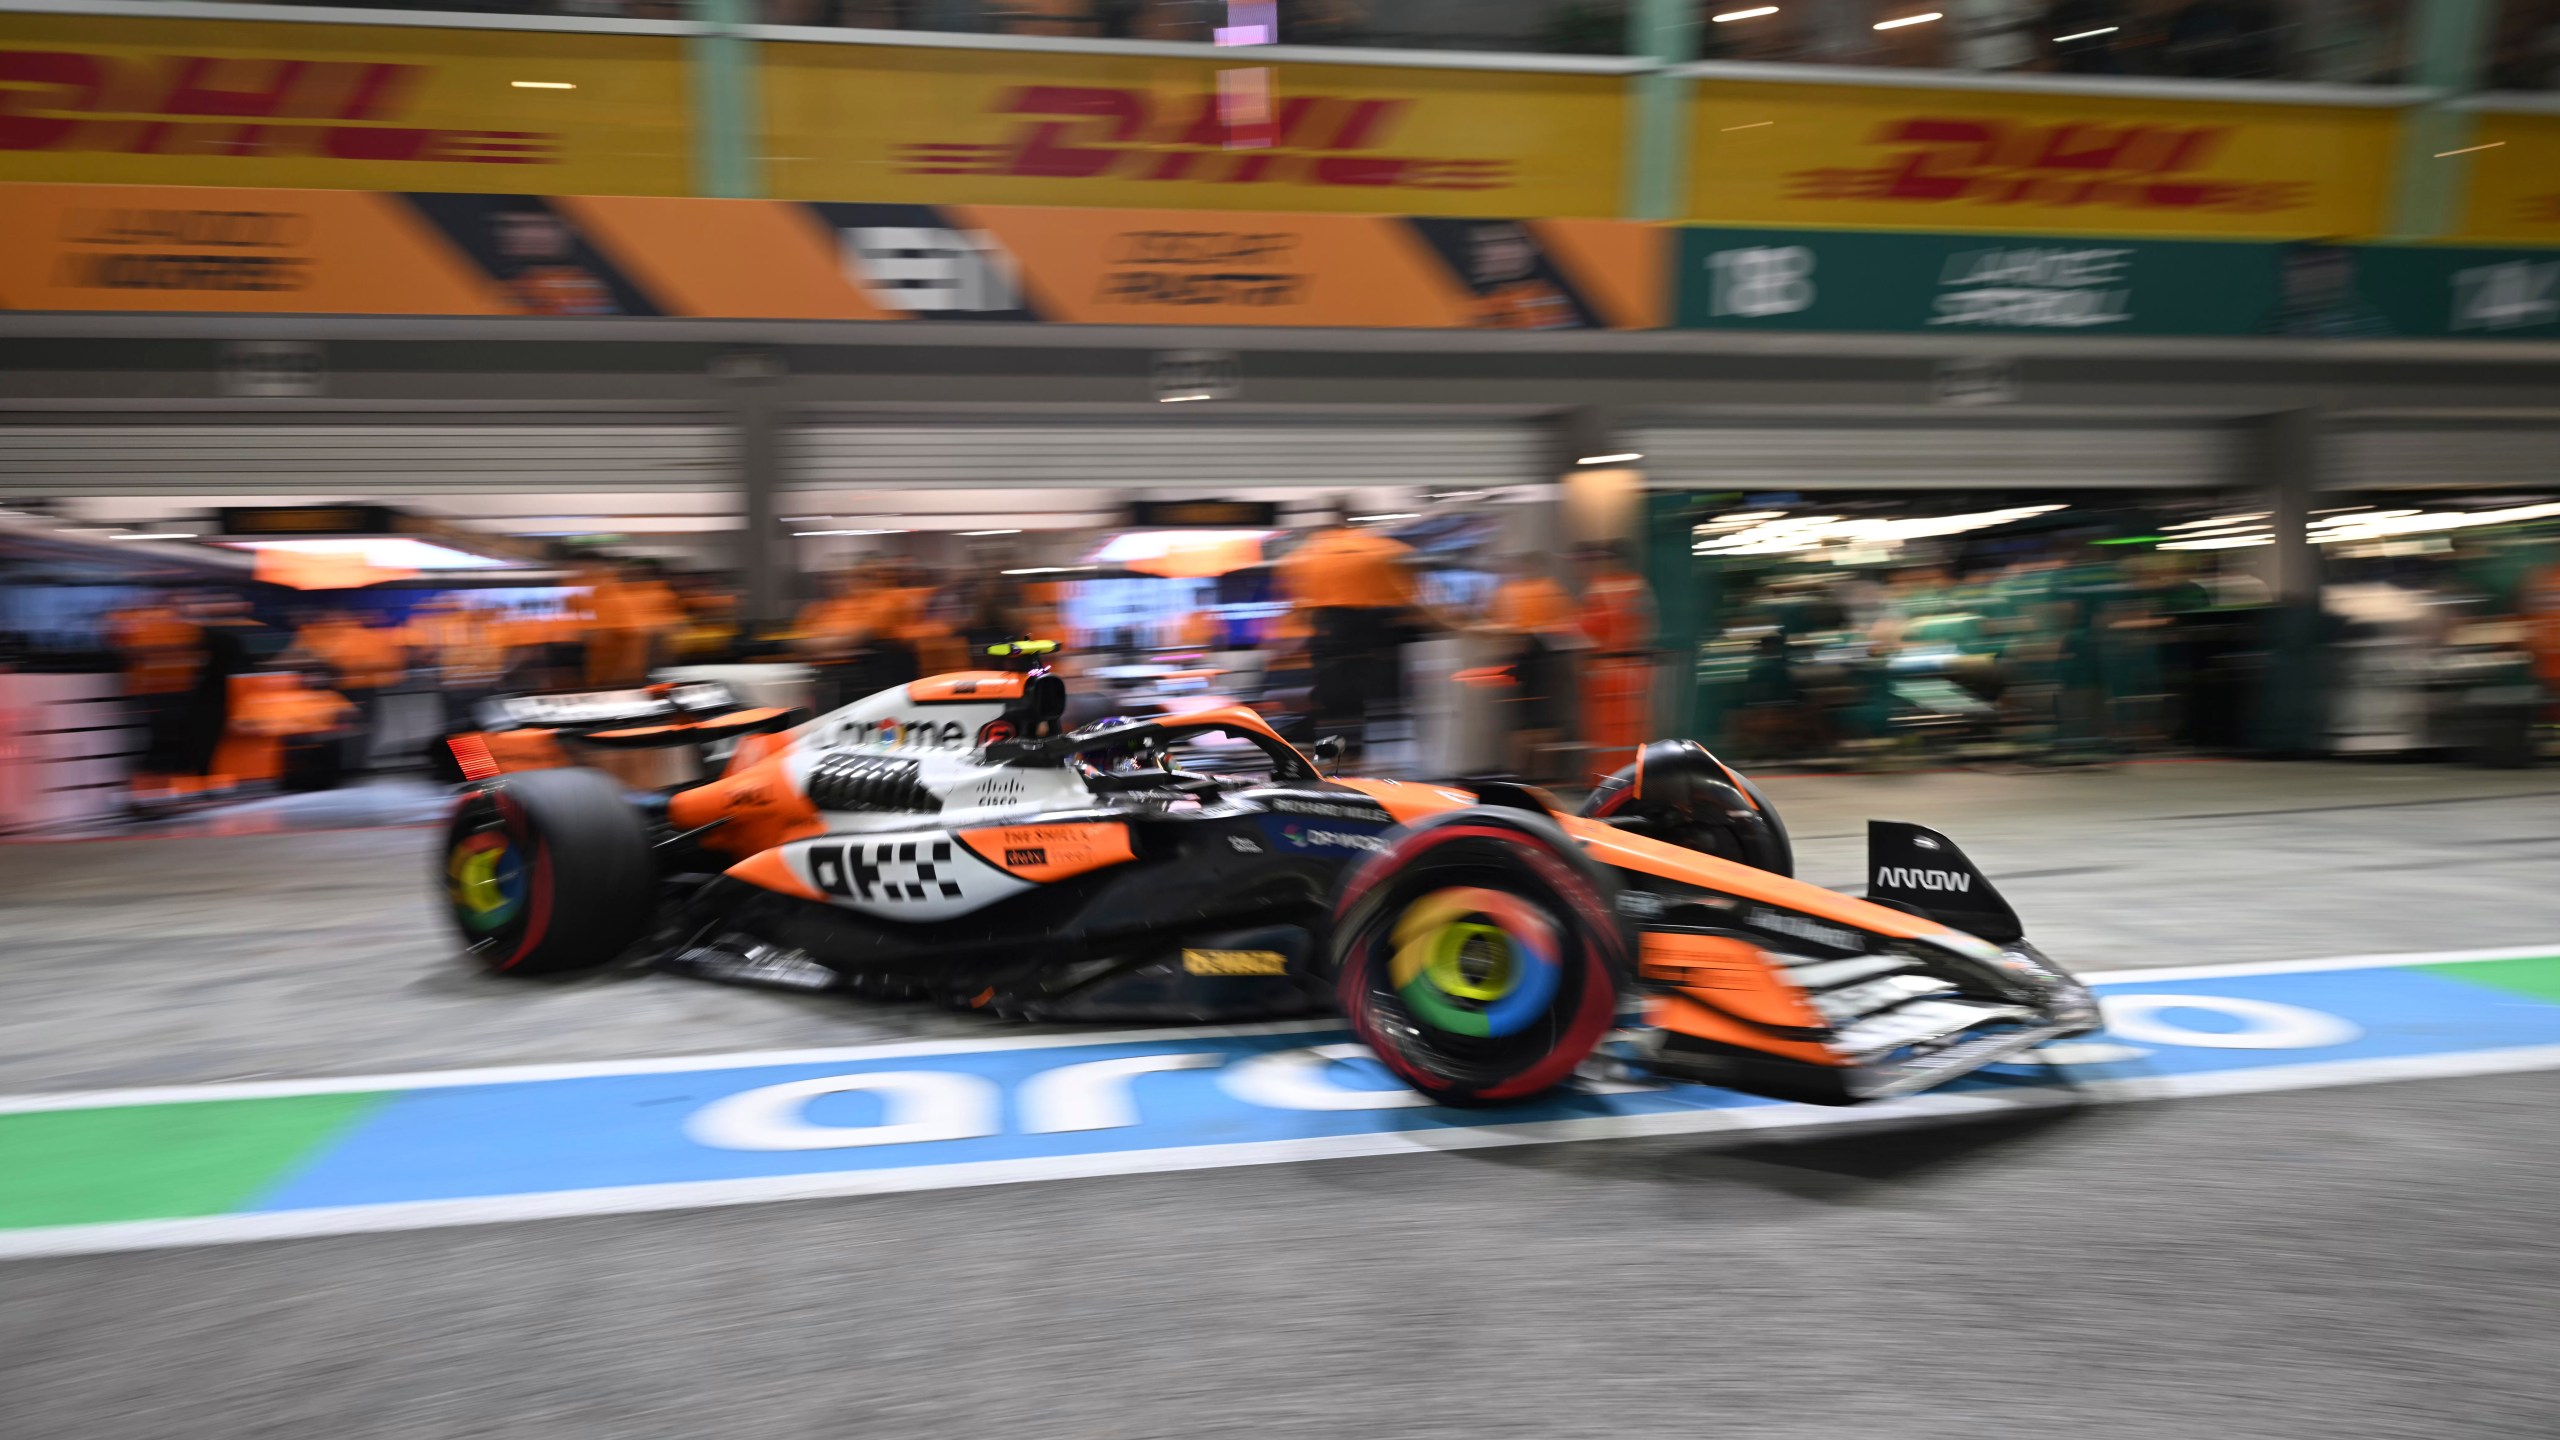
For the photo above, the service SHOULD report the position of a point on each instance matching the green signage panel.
(2462, 293)
(1973, 284)
(1870, 280)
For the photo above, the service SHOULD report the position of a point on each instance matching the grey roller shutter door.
(389, 460)
(1137, 456)
(2403, 457)
(1884, 457)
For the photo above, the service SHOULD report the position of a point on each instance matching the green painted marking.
(159, 1162)
(2535, 975)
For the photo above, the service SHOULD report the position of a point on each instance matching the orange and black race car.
(949, 838)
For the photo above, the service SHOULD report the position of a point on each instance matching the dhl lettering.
(1086, 132)
(1985, 161)
(228, 106)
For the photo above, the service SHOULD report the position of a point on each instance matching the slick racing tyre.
(1679, 793)
(1479, 955)
(547, 871)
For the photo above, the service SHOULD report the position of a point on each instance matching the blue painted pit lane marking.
(634, 1130)
(458, 1148)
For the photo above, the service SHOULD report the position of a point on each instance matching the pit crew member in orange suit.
(162, 650)
(1533, 610)
(1356, 588)
(363, 660)
(1616, 620)
(635, 613)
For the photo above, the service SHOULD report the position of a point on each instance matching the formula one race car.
(949, 838)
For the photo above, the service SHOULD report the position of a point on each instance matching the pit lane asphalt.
(2367, 1262)
(195, 958)
(2372, 1262)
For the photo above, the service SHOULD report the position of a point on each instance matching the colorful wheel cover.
(486, 881)
(1472, 961)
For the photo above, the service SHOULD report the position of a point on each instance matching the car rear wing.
(605, 708)
(649, 738)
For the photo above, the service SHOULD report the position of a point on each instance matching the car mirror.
(1328, 752)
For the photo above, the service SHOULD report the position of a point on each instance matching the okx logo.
(889, 870)
(1084, 132)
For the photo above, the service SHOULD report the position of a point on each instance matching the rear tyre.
(1479, 955)
(547, 872)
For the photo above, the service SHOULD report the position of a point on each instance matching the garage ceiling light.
(1155, 544)
(2420, 522)
(1789, 535)
(383, 552)
(2219, 542)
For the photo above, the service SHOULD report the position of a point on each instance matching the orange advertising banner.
(950, 126)
(1880, 157)
(2514, 181)
(91, 98)
(169, 248)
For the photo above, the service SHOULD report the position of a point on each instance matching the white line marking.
(1941, 1107)
(2309, 967)
(669, 1065)
(685, 1064)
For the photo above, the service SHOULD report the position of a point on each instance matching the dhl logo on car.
(1091, 132)
(1991, 161)
(203, 105)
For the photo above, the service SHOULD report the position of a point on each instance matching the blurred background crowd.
(1853, 634)
(267, 562)
(2351, 42)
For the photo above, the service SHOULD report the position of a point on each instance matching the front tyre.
(1478, 955)
(547, 871)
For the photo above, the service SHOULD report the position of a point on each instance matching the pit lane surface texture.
(2368, 1261)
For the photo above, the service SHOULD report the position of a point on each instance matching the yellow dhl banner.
(172, 248)
(194, 102)
(935, 126)
(2514, 180)
(1981, 160)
